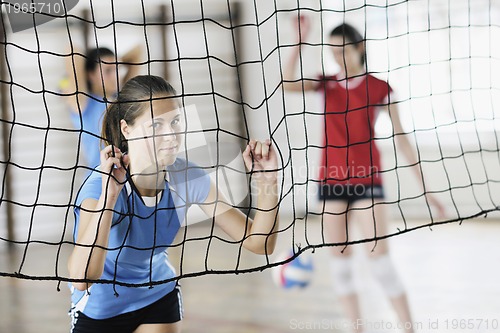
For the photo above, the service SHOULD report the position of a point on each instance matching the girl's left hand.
(260, 158)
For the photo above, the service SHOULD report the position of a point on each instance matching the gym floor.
(451, 274)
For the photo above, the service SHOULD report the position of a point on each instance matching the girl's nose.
(168, 134)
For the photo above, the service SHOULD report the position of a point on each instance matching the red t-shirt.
(350, 155)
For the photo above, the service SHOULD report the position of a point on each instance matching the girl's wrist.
(109, 200)
(267, 179)
(266, 187)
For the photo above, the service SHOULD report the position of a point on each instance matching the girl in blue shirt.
(92, 81)
(130, 209)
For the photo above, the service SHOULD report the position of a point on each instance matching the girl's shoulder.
(376, 81)
(181, 164)
(190, 180)
(91, 187)
(182, 168)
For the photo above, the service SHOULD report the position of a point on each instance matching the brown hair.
(92, 60)
(137, 93)
(351, 36)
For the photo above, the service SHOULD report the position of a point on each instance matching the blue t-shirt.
(91, 126)
(138, 240)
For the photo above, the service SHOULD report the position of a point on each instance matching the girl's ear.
(124, 128)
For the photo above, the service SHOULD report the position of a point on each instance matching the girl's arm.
(132, 59)
(75, 81)
(289, 70)
(89, 254)
(258, 235)
(403, 145)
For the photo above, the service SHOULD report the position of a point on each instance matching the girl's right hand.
(113, 168)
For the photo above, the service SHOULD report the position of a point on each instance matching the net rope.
(479, 158)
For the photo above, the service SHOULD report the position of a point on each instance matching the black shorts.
(166, 310)
(350, 192)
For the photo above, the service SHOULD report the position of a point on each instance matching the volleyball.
(296, 273)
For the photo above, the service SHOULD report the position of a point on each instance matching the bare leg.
(400, 305)
(373, 223)
(159, 328)
(336, 230)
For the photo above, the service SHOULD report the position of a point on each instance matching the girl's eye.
(175, 121)
(155, 125)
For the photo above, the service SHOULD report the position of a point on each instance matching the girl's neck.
(97, 90)
(350, 73)
(148, 184)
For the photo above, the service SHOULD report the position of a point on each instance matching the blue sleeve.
(90, 189)
(190, 181)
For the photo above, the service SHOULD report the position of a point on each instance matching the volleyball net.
(226, 61)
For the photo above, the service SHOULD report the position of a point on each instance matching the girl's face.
(104, 73)
(346, 55)
(155, 137)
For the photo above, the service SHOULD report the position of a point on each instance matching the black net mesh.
(227, 63)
